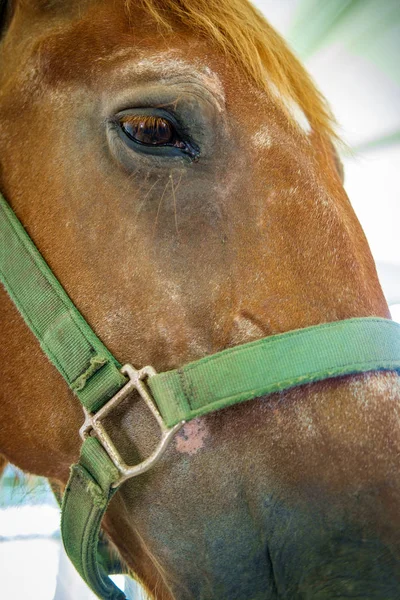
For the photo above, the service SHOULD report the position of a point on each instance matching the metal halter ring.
(92, 423)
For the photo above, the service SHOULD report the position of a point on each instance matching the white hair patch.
(295, 111)
(262, 138)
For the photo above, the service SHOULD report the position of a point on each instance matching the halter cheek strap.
(272, 364)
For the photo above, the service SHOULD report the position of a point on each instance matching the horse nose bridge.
(255, 282)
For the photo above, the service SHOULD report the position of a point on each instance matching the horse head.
(176, 167)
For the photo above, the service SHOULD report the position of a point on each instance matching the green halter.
(241, 373)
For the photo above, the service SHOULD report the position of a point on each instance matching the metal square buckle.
(92, 423)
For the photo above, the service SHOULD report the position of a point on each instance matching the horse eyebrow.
(168, 65)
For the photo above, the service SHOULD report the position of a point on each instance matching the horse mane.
(242, 32)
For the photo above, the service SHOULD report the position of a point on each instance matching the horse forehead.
(69, 50)
(105, 41)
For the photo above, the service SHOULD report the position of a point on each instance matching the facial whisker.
(143, 202)
(174, 198)
(159, 208)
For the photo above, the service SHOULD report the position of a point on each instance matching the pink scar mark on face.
(191, 437)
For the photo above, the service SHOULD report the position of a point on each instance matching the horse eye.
(150, 130)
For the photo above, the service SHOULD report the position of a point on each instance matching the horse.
(177, 169)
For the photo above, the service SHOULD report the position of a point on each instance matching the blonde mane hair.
(240, 31)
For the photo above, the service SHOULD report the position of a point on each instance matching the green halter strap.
(241, 373)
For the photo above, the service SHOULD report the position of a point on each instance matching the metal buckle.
(92, 423)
